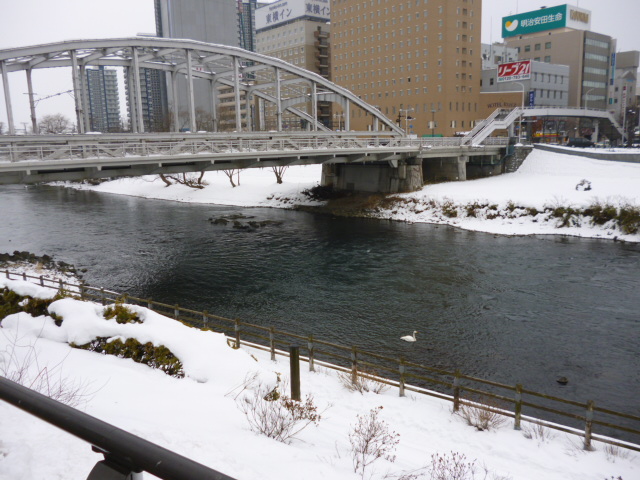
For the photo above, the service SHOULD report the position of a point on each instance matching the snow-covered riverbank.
(201, 415)
(547, 195)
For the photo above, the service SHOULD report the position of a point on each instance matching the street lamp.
(521, 113)
(433, 122)
(586, 98)
(406, 118)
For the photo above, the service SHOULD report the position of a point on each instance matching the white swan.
(410, 338)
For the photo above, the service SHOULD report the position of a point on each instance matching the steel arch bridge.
(236, 79)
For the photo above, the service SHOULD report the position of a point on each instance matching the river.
(506, 308)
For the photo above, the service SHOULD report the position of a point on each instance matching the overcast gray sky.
(32, 22)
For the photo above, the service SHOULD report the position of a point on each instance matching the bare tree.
(231, 173)
(56, 123)
(279, 171)
(190, 180)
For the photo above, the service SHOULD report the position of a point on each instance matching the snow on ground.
(545, 179)
(198, 416)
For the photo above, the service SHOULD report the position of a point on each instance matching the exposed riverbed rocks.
(243, 222)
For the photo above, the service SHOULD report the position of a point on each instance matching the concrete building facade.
(297, 31)
(104, 101)
(562, 35)
(418, 61)
(625, 83)
(547, 87)
(496, 53)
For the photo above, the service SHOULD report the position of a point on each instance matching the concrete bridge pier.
(446, 168)
(394, 176)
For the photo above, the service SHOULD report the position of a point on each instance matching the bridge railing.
(17, 152)
(359, 366)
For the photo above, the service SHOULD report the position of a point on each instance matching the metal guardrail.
(395, 372)
(125, 454)
(88, 148)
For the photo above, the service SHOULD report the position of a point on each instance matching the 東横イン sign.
(508, 72)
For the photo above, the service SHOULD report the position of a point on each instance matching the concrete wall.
(378, 178)
(595, 153)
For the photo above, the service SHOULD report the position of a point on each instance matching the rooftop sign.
(546, 19)
(287, 10)
(509, 72)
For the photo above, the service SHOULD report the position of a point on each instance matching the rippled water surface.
(512, 309)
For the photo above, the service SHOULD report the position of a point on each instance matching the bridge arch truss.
(242, 85)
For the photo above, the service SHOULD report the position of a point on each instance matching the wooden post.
(103, 298)
(6, 272)
(176, 313)
(588, 425)
(272, 343)
(149, 304)
(456, 391)
(60, 284)
(24, 276)
(237, 331)
(294, 363)
(518, 410)
(204, 317)
(401, 383)
(41, 281)
(82, 291)
(354, 365)
(312, 367)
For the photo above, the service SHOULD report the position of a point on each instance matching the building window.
(527, 48)
(547, 45)
(547, 59)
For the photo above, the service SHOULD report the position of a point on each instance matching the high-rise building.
(625, 83)
(211, 21)
(562, 35)
(104, 104)
(298, 32)
(155, 115)
(418, 61)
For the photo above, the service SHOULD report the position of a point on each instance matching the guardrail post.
(401, 369)
(103, 298)
(6, 272)
(588, 425)
(236, 328)
(294, 363)
(272, 343)
(81, 286)
(456, 391)
(354, 365)
(176, 312)
(149, 304)
(24, 276)
(41, 281)
(204, 317)
(312, 367)
(61, 286)
(518, 408)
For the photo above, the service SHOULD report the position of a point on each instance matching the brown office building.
(418, 61)
(561, 35)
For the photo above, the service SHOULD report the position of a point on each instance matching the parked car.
(579, 142)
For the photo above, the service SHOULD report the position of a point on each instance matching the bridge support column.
(389, 177)
(445, 169)
(7, 98)
(32, 104)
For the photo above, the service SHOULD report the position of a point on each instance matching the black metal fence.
(357, 364)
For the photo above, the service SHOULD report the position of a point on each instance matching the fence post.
(41, 281)
(518, 408)
(204, 317)
(401, 368)
(588, 425)
(272, 343)
(82, 291)
(6, 272)
(24, 276)
(149, 304)
(312, 367)
(103, 299)
(294, 363)
(60, 284)
(456, 391)
(236, 328)
(176, 313)
(354, 365)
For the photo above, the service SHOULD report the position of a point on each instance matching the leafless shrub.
(187, 179)
(250, 379)
(279, 172)
(366, 381)
(482, 416)
(614, 452)
(277, 416)
(20, 364)
(370, 440)
(538, 432)
(451, 467)
(230, 173)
